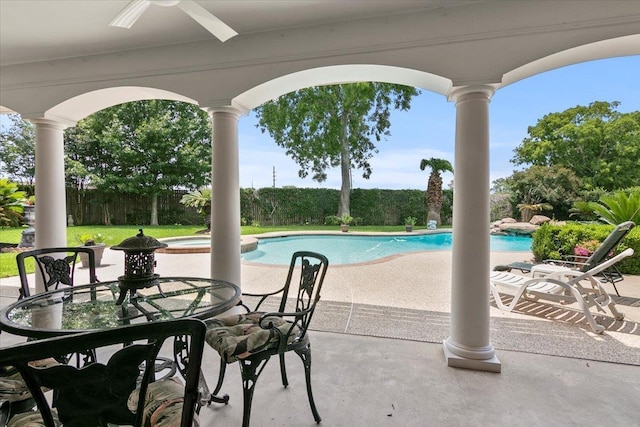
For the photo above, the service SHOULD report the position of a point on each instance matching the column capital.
(464, 92)
(51, 123)
(229, 109)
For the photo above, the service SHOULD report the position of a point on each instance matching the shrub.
(332, 220)
(558, 241)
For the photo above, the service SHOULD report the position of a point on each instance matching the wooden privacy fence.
(265, 206)
(89, 207)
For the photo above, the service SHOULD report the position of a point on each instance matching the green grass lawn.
(116, 234)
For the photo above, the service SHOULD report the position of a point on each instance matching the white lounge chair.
(562, 285)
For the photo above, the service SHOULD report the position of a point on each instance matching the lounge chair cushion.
(239, 336)
(163, 406)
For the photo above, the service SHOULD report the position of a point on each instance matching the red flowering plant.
(586, 248)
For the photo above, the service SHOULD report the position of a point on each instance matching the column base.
(491, 364)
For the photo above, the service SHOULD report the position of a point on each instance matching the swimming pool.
(352, 249)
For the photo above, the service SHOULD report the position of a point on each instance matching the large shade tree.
(334, 126)
(144, 147)
(434, 185)
(598, 143)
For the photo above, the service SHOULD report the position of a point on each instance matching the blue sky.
(428, 129)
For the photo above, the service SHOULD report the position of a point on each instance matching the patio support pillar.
(51, 200)
(225, 195)
(469, 346)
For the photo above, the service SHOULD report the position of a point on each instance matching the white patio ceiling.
(52, 50)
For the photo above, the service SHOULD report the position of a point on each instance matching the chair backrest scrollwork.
(56, 266)
(312, 268)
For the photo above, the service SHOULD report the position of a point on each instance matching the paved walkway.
(363, 380)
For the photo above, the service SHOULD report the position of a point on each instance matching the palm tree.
(621, 206)
(434, 186)
(528, 209)
(10, 203)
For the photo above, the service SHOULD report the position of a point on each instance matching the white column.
(469, 346)
(51, 202)
(225, 195)
(51, 199)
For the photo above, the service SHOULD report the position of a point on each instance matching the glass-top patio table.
(92, 307)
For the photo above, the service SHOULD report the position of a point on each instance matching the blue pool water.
(350, 249)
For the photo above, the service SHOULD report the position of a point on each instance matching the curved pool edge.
(351, 232)
(247, 244)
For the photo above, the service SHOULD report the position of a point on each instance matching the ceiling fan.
(134, 10)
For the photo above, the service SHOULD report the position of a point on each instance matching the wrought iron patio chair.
(252, 338)
(101, 394)
(56, 266)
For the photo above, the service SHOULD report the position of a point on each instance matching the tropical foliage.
(618, 207)
(527, 210)
(200, 199)
(583, 210)
(10, 203)
(434, 186)
(334, 126)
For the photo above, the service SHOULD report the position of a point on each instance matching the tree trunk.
(433, 215)
(106, 214)
(154, 209)
(345, 167)
(434, 197)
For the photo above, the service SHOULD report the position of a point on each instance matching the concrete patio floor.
(361, 380)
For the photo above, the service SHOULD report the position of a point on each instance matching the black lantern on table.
(139, 262)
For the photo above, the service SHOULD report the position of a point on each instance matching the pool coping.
(247, 244)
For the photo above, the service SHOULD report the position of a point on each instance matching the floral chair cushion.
(12, 386)
(163, 407)
(239, 336)
(31, 419)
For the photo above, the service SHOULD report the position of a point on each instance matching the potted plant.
(409, 222)
(95, 242)
(345, 220)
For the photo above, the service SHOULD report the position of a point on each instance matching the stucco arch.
(611, 48)
(337, 74)
(78, 107)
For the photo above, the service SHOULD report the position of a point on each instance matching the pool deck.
(365, 379)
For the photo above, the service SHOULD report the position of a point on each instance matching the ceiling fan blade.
(130, 14)
(209, 21)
